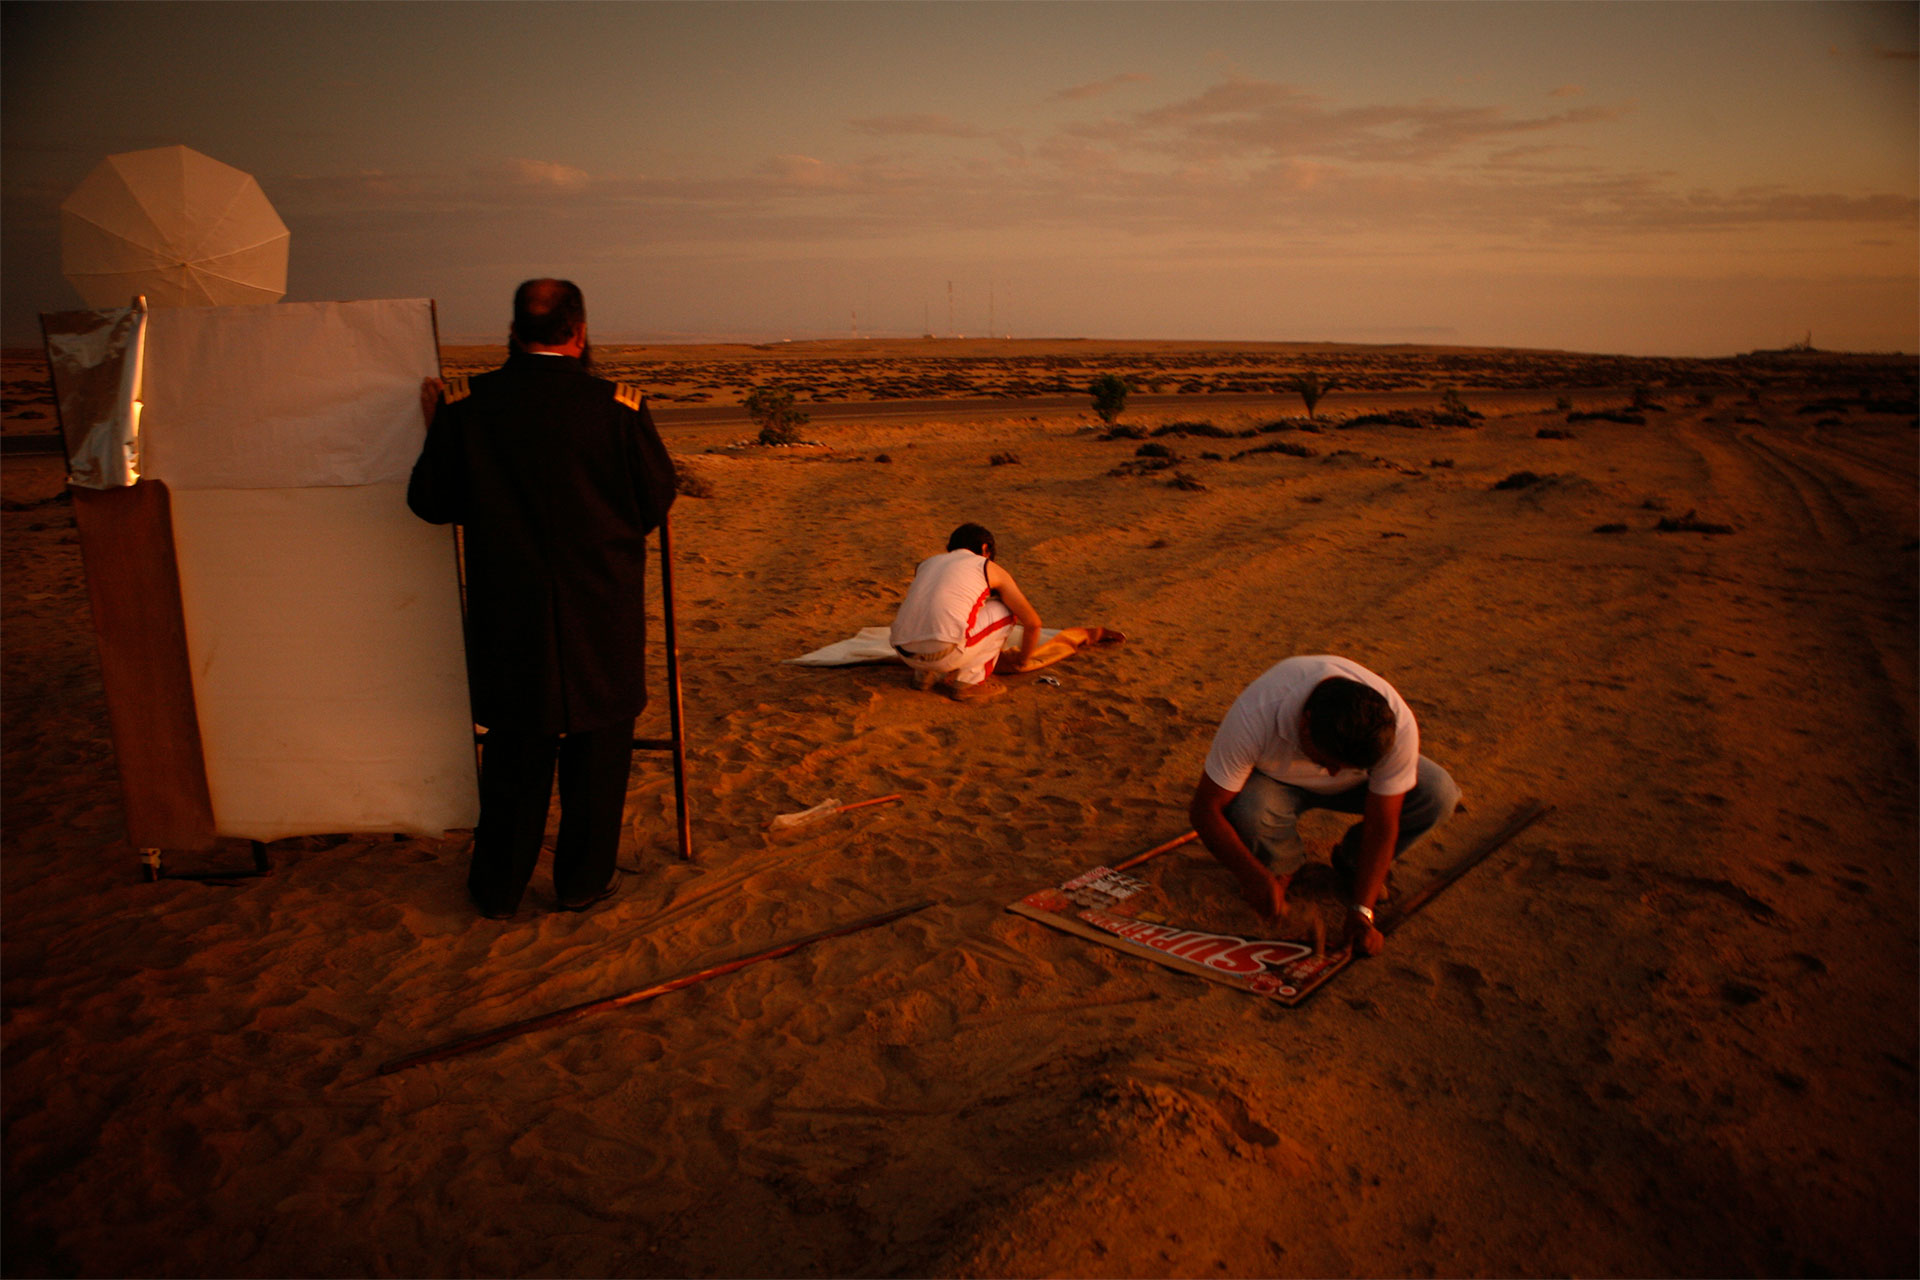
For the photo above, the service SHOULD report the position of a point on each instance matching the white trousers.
(970, 662)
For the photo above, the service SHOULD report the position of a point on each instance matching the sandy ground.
(1670, 1030)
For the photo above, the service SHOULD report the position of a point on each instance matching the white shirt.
(1262, 731)
(943, 604)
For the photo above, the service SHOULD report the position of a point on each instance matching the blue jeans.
(1265, 811)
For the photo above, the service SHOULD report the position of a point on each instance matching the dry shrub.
(1689, 523)
(772, 408)
(1109, 392)
(1287, 447)
(1141, 466)
(1207, 429)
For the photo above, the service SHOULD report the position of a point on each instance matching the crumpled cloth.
(870, 644)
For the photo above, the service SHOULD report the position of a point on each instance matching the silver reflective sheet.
(98, 362)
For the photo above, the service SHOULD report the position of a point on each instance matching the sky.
(1636, 178)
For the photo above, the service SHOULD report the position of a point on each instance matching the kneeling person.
(1318, 732)
(954, 623)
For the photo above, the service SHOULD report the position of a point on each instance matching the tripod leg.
(673, 690)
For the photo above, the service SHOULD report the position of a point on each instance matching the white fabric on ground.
(870, 644)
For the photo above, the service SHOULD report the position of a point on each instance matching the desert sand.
(1669, 1030)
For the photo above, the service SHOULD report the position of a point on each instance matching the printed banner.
(1110, 907)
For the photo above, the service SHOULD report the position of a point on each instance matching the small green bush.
(1109, 392)
(1311, 386)
(772, 409)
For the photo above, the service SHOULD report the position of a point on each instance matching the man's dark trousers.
(516, 784)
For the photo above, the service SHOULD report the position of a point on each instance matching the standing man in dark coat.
(558, 477)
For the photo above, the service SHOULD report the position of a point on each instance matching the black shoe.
(485, 914)
(601, 896)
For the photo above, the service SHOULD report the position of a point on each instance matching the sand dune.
(1670, 1030)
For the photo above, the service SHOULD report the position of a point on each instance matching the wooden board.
(1113, 909)
(126, 544)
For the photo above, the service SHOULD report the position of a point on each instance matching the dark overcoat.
(558, 477)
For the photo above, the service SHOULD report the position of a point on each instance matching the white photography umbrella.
(177, 226)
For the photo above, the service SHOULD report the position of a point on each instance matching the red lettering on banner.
(1219, 951)
(1264, 954)
(1202, 949)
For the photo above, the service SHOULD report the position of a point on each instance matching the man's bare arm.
(1208, 813)
(1023, 611)
(1379, 831)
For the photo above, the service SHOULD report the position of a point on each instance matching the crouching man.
(1318, 732)
(954, 623)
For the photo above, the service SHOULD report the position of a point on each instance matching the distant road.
(828, 412)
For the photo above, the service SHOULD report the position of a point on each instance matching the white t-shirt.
(944, 603)
(1262, 731)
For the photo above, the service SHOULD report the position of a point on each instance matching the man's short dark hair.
(1351, 723)
(976, 538)
(547, 312)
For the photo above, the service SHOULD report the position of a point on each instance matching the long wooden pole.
(1157, 850)
(861, 804)
(673, 690)
(1528, 814)
(573, 1012)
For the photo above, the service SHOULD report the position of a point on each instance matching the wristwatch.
(1365, 913)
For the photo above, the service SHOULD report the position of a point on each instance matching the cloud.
(1260, 118)
(1245, 165)
(1098, 88)
(544, 173)
(806, 173)
(924, 125)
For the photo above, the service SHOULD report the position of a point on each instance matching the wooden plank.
(133, 581)
(1525, 816)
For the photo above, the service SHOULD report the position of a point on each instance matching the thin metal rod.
(559, 1016)
(673, 689)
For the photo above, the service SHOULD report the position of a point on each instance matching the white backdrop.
(322, 618)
